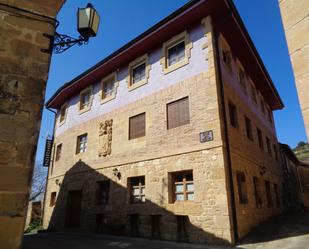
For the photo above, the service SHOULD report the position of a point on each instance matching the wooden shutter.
(178, 113)
(137, 126)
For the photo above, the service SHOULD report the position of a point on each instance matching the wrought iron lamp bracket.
(60, 43)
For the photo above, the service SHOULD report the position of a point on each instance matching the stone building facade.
(296, 174)
(295, 17)
(23, 75)
(170, 137)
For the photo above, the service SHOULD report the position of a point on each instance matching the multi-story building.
(295, 17)
(296, 174)
(171, 137)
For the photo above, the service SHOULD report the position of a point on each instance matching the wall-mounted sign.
(47, 153)
(206, 136)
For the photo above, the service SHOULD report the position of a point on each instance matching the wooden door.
(74, 204)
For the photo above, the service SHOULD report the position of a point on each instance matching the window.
(268, 145)
(260, 138)
(176, 52)
(242, 79)
(227, 58)
(58, 152)
(253, 94)
(268, 194)
(248, 128)
(137, 189)
(102, 192)
(262, 106)
(178, 113)
(257, 192)
(52, 199)
(63, 112)
(276, 152)
(277, 195)
(137, 126)
(270, 116)
(233, 115)
(109, 87)
(183, 186)
(242, 190)
(138, 72)
(85, 99)
(81, 144)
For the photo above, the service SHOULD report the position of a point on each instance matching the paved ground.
(284, 232)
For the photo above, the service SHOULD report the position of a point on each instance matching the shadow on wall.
(290, 224)
(79, 208)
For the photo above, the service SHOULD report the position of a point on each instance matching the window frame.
(174, 41)
(257, 192)
(184, 183)
(134, 64)
(269, 198)
(248, 128)
(242, 77)
(242, 187)
(88, 107)
(62, 118)
(168, 115)
(233, 115)
(103, 97)
(141, 187)
(100, 187)
(260, 138)
(78, 143)
(53, 199)
(268, 146)
(130, 126)
(58, 152)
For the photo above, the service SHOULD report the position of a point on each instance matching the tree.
(301, 144)
(38, 182)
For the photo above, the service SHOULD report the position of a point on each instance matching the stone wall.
(160, 152)
(246, 155)
(23, 75)
(295, 17)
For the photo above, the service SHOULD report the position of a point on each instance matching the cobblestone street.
(283, 232)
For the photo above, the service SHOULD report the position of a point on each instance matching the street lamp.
(88, 21)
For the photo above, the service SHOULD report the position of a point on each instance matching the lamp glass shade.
(88, 21)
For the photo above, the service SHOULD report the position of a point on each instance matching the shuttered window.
(178, 113)
(137, 126)
(242, 190)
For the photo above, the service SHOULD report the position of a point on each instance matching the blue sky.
(123, 20)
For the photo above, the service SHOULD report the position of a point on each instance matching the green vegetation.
(302, 151)
(34, 227)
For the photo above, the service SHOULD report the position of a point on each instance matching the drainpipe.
(226, 135)
(52, 163)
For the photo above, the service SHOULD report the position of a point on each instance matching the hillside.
(302, 152)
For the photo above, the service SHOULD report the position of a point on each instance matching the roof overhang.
(226, 20)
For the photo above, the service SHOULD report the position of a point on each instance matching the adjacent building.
(170, 137)
(23, 75)
(295, 17)
(296, 174)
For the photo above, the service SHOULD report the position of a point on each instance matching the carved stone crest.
(105, 137)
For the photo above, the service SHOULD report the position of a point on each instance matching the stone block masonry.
(23, 74)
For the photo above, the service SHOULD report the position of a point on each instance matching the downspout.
(52, 163)
(226, 135)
